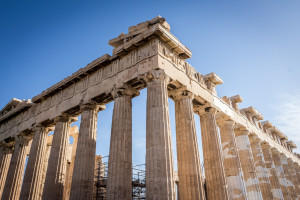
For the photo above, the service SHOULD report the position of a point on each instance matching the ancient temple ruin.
(244, 157)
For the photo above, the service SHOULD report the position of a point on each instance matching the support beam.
(231, 161)
(159, 159)
(188, 158)
(83, 175)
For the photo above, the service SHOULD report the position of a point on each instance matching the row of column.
(237, 164)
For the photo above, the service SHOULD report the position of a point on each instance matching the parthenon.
(244, 157)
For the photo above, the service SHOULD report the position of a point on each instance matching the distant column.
(74, 133)
(294, 178)
(212, 155)
(280, 174)
(83, 176)
(119, 177)
(289, 179)
(56, 171)
(33, 174)
(13, 183)
(45, 164)
(159, 160)
(247, 163)
(5, 158)
(231, 161)
(297, 170)
(189, 165)
(270, 166)
(260, 167)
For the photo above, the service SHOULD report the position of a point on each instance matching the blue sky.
(254, 46)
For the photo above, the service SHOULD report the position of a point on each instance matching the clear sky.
(254, 46)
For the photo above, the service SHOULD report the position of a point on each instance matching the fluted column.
(83, 175)
(297, 170)
(5, 158)
(289, 179)
(45, 164)
(293, 175)
(74, 133)
(32, 178)
(271, 171)
(247, 163)
(260, 167)
(119, 177)
(159, 159)
(55, 176)
(14, 178)
(188, 159)
(212, 155)
(280, 174)
(231, 161)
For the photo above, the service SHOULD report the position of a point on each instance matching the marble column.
(5, 158)
(260, 167)
(32, 178)
(188, 158)
(159, 159)
(55, 176)
(231, 161)
(74, 133)
(293, 175)
(289, 179)
(247, 163)
(83, 175)
(271, 171)
(297, 170)
(45, 164)
(280, 174)
(119, 177)
(14, 179)
(212, 155)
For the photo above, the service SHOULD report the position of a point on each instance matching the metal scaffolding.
(138, 179)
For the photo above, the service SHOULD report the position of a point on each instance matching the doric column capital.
(157, 75)
(225, 122)
(92, 105)
(42, 129)
(265, 144)
(242, 132)
(177, 95)
(6, 148)
(65, 118)
(125, 91)
(290, 161)
(296, 165)
(205, 110)
(23, 139)
(255, 138)
(274, 150)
